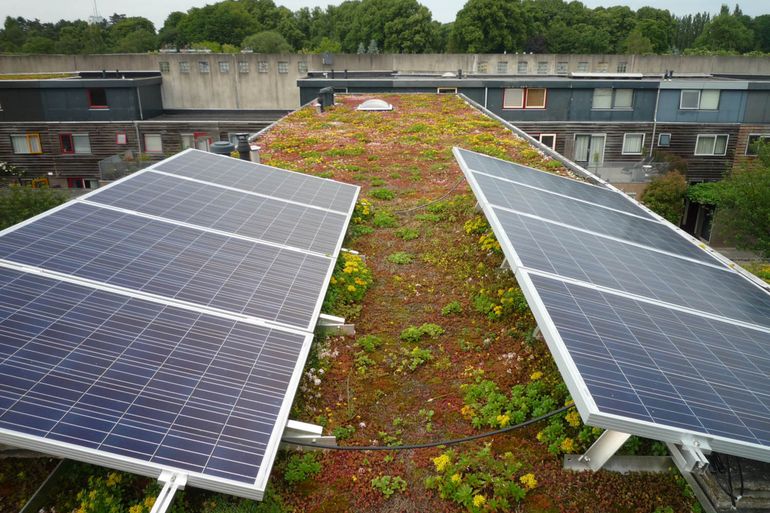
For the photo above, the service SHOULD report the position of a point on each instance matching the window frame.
(613, 91)
(583, 66)
(502, 67)
(204, 67)
(164, 66)
(713, 147)
(759, 136)
(263, 67)
(526, 67)
(622, 67)
(118, 136)
(539, 137)
(641, 147)
(184, 66)
(543, 67)
(224, 66)
(27, 137)
(525, 98)
(668, 144)
(446, 90)
(97, 106)
(700, 99)
(62, 149)
(282, 67)
(244, 67)
(144, 143)
(562, 68)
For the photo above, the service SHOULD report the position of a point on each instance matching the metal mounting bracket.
(171, 483)
(691, 455)
(335, 325)
(296, 431)
(601, 451)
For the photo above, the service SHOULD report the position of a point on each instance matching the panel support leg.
(171, 483)
(602, 450)
(296, 431)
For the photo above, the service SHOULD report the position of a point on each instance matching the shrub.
(301, 468)
(415, 333)
(407, 233)
(501, 303)
(665, 196)
(369, 342)
(384, 219)
(382, 194)
(479, 481)
(416, 357)
(452, 308)
(388, 485)
(18, 203)
(343, 432)
(400, 258)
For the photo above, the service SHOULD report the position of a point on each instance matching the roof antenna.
(95, 18)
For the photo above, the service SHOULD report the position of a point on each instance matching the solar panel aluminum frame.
(578, 389)
(85, 199)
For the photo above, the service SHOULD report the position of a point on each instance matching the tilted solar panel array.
(653, 335)
(162, 322)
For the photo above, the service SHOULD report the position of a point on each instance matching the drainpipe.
(139, 99)
(138, 140)
(486, 91)
(655, 120)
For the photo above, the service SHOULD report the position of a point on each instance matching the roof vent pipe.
(459, 73)
(222, 148)
(244, 149)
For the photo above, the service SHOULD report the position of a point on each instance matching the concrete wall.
(274, 90)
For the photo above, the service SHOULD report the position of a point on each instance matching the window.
(82, 183)
(695, 99)
(74, 143)
(522, 67)
(283, 67)
(482, 67)
(664, 140)
(224, 67)
(562, 68)
(26, 144)
(589, 148)
(528, 98)
(164, 67)
(502, 67)
(153, 143)
(197, 140)
(121, 138)
(633, 144)
(203, 66)
(243, 66)
(184, 67)
(97, 98)
(613, 98)
(542, 68)
(547, 139)
(302, 67)
(751, 146)
(446, 90)
(713, 145)
(582, 66)
(263, 66)
(622, 67)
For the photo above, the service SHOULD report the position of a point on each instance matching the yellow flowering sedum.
(573, 418)
(441, 462)
(479, 500)
(568, 445)
(536, 375)
(503, 420)
(528, 480)
(456, 478)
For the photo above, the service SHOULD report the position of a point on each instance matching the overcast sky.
(443, 10)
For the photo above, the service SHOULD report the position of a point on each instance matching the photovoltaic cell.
(131, 378)
(581, 256)
(660, 365)
(588, 217)
(277, 183)
(227, 210)
(550, 182)
(173, 261)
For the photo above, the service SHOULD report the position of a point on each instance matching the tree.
(361, 48)
(18, 203)
(223, 22)
(665, 196)
(490, 26)
(762, 32)
(743, 200)
(373, 48)
(327, 45)
(267, 41)
(637, 43)
(726, 33)
(133, 35)
(39, 44)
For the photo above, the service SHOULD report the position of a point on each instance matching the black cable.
(430, 444)
(730, 481)
(740, 472)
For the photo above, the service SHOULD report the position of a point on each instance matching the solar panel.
(652, 339)
(227, 210)
(174, 261)
(92, 374)
(266, 180)
(549, 182)
(163, 322)
(560, 250)
(665, 367)
(586, 216)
